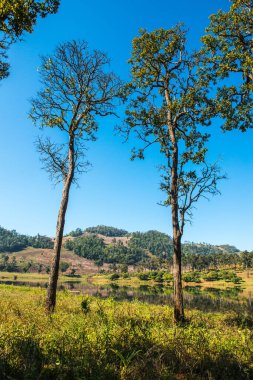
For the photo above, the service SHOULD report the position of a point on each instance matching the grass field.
(90, 338)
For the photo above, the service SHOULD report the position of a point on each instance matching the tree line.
(11, 241)
(173, 94)
(100, 230)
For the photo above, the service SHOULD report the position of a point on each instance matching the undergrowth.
(93, 339)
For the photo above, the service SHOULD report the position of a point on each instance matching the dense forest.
(153, 250)
(11, 241)
(94, 248)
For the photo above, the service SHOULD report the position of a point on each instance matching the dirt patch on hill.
(44, 257)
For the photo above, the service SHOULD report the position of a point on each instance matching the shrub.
(212, 276)
(144, 276)
(114, 276)
(191, 277)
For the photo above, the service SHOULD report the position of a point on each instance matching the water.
(195, 297)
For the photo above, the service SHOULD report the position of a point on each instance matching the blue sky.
(115, 191)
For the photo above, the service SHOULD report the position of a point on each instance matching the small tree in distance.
(77, 88)
(167, 104)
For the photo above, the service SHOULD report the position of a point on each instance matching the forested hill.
(113, 245)
(110, 245)
(158, 243)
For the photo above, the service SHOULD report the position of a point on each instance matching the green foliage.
(107, 231)
(64, 266)
(168, 103)
(213, 257)
(11, 241)
(228, 43)
(114, 276)
(17, 17)
(157, 243)
(144, 276)
(191, 277)
(106, 339)
(212, 276)
(40, 241)
(76, 232)
(7, 264)
(119, 253)
(27, 266)
(93, 248)
(246, 259)
(85, 304)
(216, 275)
(157, 276)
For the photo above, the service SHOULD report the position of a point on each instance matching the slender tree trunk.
(52, 287)
(177, 233)
(177, 257)
(177, 265)
(178, 291)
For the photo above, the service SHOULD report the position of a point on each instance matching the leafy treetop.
(228, 43)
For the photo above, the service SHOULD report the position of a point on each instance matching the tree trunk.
(178, 291)
(177, 265)
(52, 287)
(177, 233)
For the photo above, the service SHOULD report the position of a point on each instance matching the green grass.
(36, 277)
(93, 339)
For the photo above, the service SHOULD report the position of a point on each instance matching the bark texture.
(52, 288)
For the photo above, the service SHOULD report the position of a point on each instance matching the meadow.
(93, 338)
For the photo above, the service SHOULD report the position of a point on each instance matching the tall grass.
(93, 339)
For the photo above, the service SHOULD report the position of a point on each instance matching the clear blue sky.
(116, 191)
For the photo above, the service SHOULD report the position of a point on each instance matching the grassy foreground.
(90, 338)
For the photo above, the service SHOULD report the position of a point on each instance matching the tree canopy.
(107, 231)
(17, 17)
(228, 43)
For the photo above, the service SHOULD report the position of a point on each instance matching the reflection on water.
(195, 297)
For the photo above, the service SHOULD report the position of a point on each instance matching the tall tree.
(17, 17)
(77, 88)
(228, 43)
(167, 105)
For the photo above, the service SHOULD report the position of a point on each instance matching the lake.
(195, 297)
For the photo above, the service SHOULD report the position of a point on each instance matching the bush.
(168, 277)
(114, 276)
(143, 276)
(191, 277)
(212, 276)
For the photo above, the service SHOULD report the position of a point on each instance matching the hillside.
(102, 247)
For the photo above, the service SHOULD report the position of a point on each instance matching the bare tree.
(168, 104)
(76, 89)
